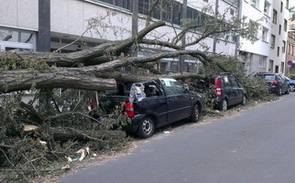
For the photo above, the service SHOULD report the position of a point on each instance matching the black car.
(155, 103)
(277, 84)
(228, 91)
(223, 90)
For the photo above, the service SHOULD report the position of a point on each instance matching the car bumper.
(133, 127)
(217, 103)
(275, 90)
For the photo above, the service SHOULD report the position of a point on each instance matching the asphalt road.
(255, 147)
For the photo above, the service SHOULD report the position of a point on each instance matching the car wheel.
(244, 102)
(224, 105)
(195, 116)
(288, 90)
(279, 92)
(146, 127)
(292, 87)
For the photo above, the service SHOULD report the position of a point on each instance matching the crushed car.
(225, 90)
(155, 103)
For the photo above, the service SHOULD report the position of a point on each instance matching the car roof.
(266, 73)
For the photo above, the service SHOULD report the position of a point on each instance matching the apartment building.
(290, 56)
(290, 53)
(269, 52)
(47, 25)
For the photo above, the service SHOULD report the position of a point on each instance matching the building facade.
(48, 25)
(269, 52)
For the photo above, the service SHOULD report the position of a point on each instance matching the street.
(257, 146)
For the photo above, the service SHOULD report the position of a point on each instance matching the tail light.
(218, 87)
(275, 83)
(92, 105)
(129, 109)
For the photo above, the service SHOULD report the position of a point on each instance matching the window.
(123, 3)
(166, 12)
(262, 61)
(282, 7)
(120, 3)
(285, 25)
(233, 82)
(255, 3)
(11, 39)
(280, 28)
(273, 41)
(274, 16)
(266, 7)
(264, 34)
(177, 12)
(284, 47)
(143, 7)
(232, 11)
(172, 87)
(278, 51)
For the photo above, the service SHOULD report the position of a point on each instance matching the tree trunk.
(61, 78)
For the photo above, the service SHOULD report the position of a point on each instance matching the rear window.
(269, 77)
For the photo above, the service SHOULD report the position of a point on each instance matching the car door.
(283, 83)
(178, 100)
(232, 90)
(237, 90)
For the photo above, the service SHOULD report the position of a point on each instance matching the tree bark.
(60, 78)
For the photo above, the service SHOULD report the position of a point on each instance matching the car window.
(172, 87)
(226, 80)
(233, 81)
(279, 78)
(151, 90)
(269, 77)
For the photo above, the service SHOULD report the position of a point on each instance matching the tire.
(195, 116)
(146, 127)
(224, 105)
(292, 88)
(288, 90)
(279, 92)
(244, 101)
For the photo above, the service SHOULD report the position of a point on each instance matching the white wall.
(72, 16)
(19, 13)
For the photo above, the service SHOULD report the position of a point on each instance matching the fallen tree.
(57, 110)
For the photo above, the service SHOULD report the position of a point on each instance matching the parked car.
(278, 84)
(153, 104)
(224, 89)
(228, 91)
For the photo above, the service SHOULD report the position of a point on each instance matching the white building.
(47, 25)
(269, 52)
